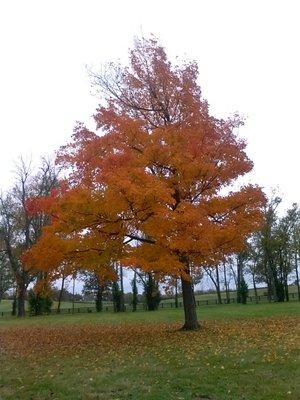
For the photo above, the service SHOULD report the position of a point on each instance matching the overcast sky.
(247, 52)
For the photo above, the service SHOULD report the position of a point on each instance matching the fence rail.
(162, 305)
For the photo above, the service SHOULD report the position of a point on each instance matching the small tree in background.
(152, 293)
(242, 292)
(39, 304)
(40, 298)
(93, 284)
(171, 287)
(117, 297)
(6, 276)
(20, 228)
(240, 265)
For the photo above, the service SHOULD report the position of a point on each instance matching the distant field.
(248, 352)
(6, 305)
(232, 293)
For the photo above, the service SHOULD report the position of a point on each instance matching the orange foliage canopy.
(152, 188)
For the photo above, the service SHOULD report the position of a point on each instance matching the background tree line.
(271, 259)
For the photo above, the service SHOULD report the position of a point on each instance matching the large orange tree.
(152, 187)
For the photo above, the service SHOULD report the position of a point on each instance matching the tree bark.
(176, 293)
(239, 278)
(134, 293)
(189, 304)
(254, 287)
(73, 295)
(218, 286)
(99, 296)
(270, 289)
(226, 284)
(286, 287)
(21, 294)
(122, 289)
(14, 306)
(297, 275)
(60, 294)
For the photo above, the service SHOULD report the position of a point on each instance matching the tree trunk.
(288, 267)
(286, 287)
(279, 291)
(254, 287)
(122, 289)
(134, 293)
(60, 295)
(190, 315)
(233, 274)
(14, 306)
(73, 296)
(116, 294)
(176, 293)
(239, 278)
(226, 284)
(270, 289)
(218, 286)
(281, 285)
(99, 296)
(21, 299)
(297, 275)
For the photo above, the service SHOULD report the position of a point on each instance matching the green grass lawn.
(241, 352)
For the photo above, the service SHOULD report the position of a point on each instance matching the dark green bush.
(39, 304)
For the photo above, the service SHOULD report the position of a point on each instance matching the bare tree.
(214, 275)
(19, 229)
(6, 278)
